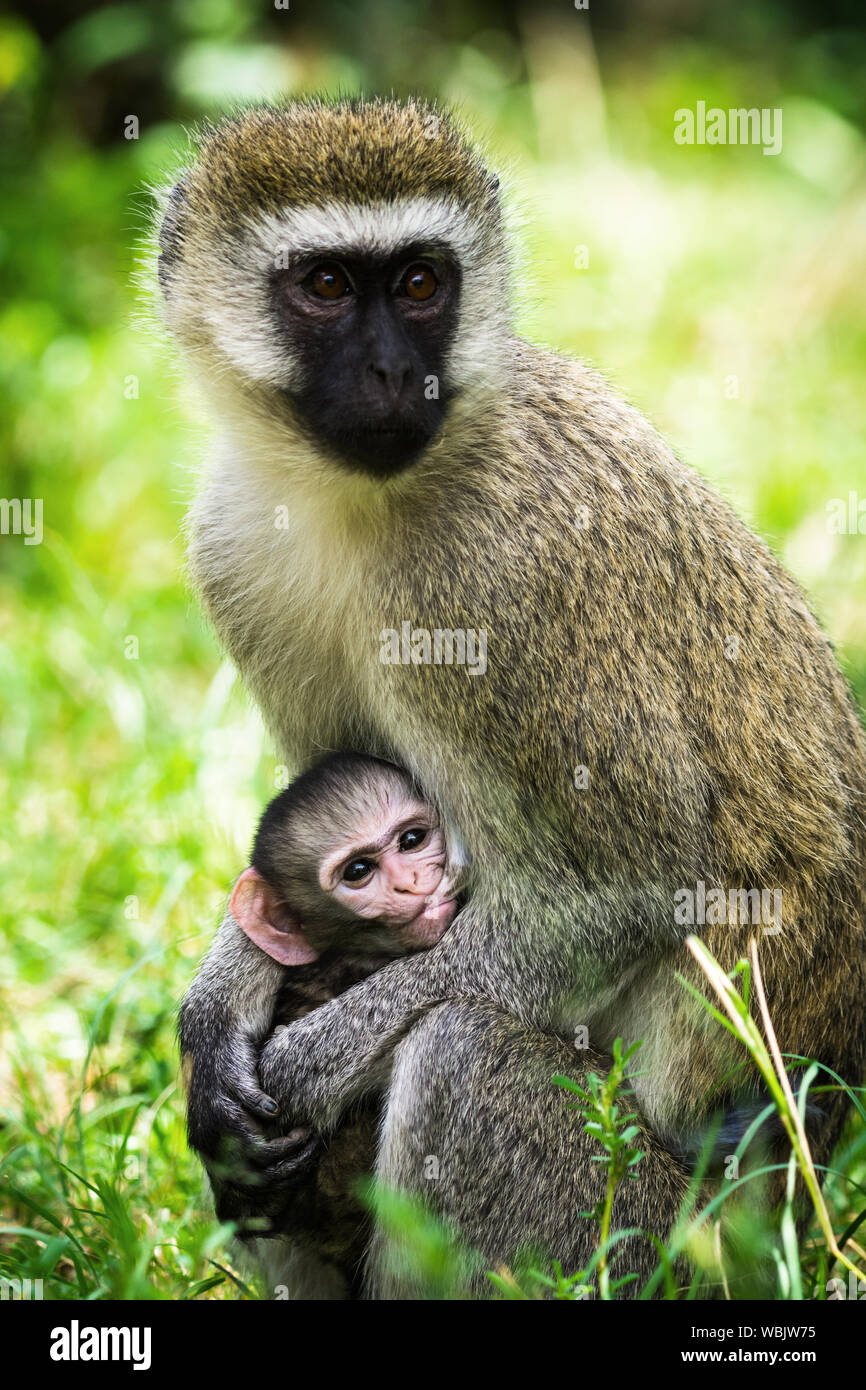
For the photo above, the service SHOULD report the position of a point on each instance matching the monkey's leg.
(471, 1099)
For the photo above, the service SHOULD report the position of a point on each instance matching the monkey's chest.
(344, 646)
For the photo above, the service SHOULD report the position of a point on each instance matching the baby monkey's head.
(349, 856)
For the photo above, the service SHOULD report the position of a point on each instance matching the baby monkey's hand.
(253, 1188)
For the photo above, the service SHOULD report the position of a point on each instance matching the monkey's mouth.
(379, 450)
(378, 443)
(429, 924)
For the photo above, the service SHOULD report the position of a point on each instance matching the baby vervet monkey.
(349, 857)
(350, 869)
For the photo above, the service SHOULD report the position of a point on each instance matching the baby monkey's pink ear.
(258, 911)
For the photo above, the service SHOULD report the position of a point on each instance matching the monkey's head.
(339, 268)
(349, 856)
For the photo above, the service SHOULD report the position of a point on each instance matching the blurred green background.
(721, 289)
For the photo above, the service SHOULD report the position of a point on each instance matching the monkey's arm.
(227, 1011)
(316, 1066)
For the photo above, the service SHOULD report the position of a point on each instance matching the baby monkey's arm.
(226, 1014)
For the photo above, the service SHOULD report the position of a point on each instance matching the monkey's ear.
(258, 911)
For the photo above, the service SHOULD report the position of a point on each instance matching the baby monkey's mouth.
(430, 922)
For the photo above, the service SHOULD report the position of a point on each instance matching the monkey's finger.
(289, 1167)
(255, 1100)
(290, 1149)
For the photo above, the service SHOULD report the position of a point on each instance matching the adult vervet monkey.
(388, 451)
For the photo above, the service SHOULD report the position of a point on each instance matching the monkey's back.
(638, 627)
(764, 780)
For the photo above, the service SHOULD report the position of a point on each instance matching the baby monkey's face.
(392, 869)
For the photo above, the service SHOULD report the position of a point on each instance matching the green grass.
(130, 786)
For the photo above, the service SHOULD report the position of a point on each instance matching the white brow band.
(371, 228)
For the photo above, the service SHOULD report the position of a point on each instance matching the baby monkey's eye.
(413, 839)
(357, 869)
(328, 281)
(419, 282)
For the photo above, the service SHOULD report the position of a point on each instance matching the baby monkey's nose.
(405, 880)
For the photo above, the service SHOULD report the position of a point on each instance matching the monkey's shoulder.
(602, 469)
(573, 418)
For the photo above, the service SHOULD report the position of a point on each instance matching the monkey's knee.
(475, 1128)
(472, 1088)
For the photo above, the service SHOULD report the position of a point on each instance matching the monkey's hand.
(226, 1103)
(256, 1186)
(252, 1168)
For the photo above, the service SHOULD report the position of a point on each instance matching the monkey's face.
(392, 872)
(369, 335)
(338, 276)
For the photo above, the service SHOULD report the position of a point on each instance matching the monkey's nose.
(391, 377)
(407, 882)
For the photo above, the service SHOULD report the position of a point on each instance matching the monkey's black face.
(371, 336)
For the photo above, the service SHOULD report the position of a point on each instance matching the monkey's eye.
(328, 281)
(357, 870)
(413, 839)
(419, 282)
